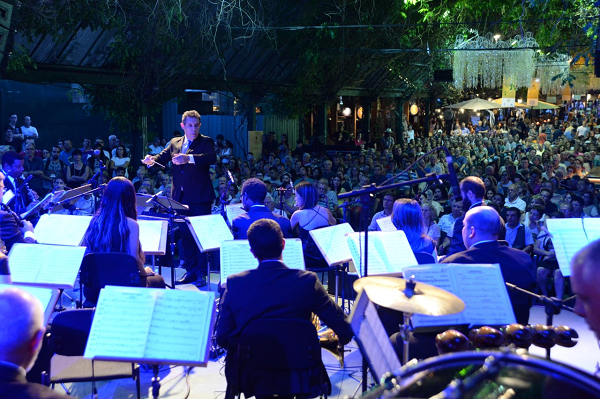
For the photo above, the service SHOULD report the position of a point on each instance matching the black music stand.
(171, 207)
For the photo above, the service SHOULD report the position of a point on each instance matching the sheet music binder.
(332, 243)
(153, 326)
(53, 266)
(372, 338)
(481, 287)
(236, 257)
(569, 236)
(47, 296)
(389, 252)
(209, 231)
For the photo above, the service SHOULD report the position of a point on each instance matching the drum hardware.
(410, 297)
(551, 307)
(486, 338)
(517, 335)
(451, 341)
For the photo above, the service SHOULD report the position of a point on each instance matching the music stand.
(74, 195)
(171, 206)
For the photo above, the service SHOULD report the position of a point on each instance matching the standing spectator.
(67, 152)
(29, 132)
(53, 168)
(33, 165)
(86, 149)
(78, 172)
(387, 141)
(13, 135)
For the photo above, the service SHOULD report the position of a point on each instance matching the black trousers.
(195, 261)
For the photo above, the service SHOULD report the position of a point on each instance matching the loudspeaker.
(443, 75)
(193, 100)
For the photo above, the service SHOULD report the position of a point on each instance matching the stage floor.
(209, 382)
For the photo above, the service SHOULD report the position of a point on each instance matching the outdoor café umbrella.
(476, 103)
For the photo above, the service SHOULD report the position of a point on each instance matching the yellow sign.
(533, 93)
(509, 91)
(255, 143)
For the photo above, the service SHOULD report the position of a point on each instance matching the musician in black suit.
(23, 329)
(191, 156)
(10, 230)
(472, 190)
(12, 167)
(482, 227)
(254, 192)
(273, 291)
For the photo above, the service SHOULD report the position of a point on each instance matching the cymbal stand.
(406, 332)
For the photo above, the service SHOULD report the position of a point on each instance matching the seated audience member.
(429, 220)
(21, 336)
(518, 235)
(254, 192)
(273, 291)
(472, 191)
(388, 207)
(482, 228)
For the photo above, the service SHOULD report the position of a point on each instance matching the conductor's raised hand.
(149, 160)
(180, 159)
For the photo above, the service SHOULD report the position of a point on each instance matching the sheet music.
(54, 265)
(151, 234)
(121, 323)
(386, 224)
(233, 211)
(569, 237)
(389, 252)
(481, 287)
(332, 243)
(372, 337)
(178, 329)
(47, 296)
(61, 229)
(153, 325)
(211, 230)
(236, 257)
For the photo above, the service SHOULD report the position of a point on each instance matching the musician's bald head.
(585, 282)
(22, 321)
(481, 223)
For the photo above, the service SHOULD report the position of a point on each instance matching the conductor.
(192, 156)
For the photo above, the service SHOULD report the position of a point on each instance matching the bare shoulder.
(133, 224)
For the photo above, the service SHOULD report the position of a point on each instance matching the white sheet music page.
(211, 230)
(569, 237)
(233, 211)
(332, 243)
(389, 252)
(26, 262)
(180, 326)
(386, 224)
(61, 229)
(60, 265)
(236, 257)
(150, 234)
(121, 323)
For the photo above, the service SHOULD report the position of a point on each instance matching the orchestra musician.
(273, 291)
(585, 282)
(114, 228)
(12, 228)
(12, 167)
(191, 156)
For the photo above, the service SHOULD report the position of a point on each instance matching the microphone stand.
(551, 306)
(366, 194)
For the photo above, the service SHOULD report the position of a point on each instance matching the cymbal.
(427, 299)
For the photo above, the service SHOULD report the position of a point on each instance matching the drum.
(518, 376)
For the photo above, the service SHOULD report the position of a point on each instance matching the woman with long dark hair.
(114, 228)
(408, 217)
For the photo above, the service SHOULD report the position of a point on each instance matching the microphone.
(154, 197)
(453, 178)
(230, 177)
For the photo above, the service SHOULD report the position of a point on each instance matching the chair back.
(279, 344)
(70, 331)
(108, 268)
(424, 258)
